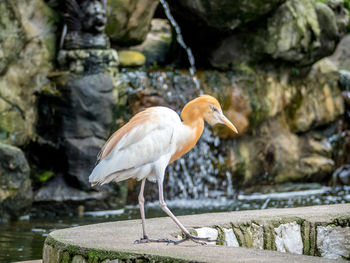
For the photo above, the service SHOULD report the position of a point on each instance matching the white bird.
(149, 142)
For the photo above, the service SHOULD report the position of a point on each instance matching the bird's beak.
(229, 124)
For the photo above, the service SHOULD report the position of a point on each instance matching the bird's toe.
(198, 240)
(149, 240)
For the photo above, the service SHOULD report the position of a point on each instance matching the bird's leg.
(188, 236)
(145, 238)
(142, 208)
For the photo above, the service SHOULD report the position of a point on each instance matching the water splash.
(182, 43)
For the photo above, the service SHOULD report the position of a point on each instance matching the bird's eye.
(214, 109)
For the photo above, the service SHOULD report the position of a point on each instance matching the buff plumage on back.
(135, 121)
(135, 146)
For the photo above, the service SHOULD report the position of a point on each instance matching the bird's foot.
(145, 239)
(199, 240)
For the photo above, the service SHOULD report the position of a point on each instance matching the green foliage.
(43, 176)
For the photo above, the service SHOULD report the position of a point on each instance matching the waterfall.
(182, 43)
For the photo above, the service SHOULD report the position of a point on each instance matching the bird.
(148, 143)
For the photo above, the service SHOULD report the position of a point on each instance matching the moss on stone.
(343, 221)
(221, 236)
(131, 58)
(269, 237)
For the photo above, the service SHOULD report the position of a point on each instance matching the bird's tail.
(101, 175)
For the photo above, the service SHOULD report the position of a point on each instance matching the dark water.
(23, 239)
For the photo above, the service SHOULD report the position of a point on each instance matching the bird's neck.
(191, 114)
(194, 123)
(192, 117)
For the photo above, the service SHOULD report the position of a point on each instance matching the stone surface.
(129, 58)
(80, 111)
(222, 15)
(27, 50)
(299, 32)
(57, 190)
(15, 190)
(341, 56)
(88, 60)
(342, 175)
(303, 31)
(129, 20)
(207, 232)
(96, 243)
(156, 46)
(288, 238)
(230, 238)
(333, 242)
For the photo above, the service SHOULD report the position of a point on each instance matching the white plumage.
(143, 151)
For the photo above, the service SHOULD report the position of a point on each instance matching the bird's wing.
(143, 140)
(139, 126)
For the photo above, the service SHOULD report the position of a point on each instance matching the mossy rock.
(131, 58)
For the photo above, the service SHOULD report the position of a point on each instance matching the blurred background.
(72, 72)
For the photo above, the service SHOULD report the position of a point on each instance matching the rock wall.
(285, 125)
(293, 31)
(27, 52)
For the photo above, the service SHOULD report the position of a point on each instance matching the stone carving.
(85, 24)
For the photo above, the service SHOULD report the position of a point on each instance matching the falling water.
(181, 42)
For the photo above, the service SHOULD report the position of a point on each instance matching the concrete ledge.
(114, 241)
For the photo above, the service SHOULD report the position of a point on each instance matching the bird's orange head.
(208, 108)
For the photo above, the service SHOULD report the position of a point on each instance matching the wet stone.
(15, 186)
(288, 238)
(212, 233)
(230, 238)
(333, 242)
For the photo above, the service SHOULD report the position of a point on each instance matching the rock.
(128, 58)
(237, 109)
(27, 50)
(341, 56)
(317, 165)
(57, 190)
(15, 191)
(257, 234)
(156, 47)
(303, 31)
(221, 15)
(129, 20)
(323, 148)
(212, 233)
(83, 111)
(318, 100)
(342, 175)
(88, 60)
(273, 152)
(288, 238)
(230, 238)
(299, 32)
(344, 81)
(333, 242)
(82, 156)
(58, 197)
